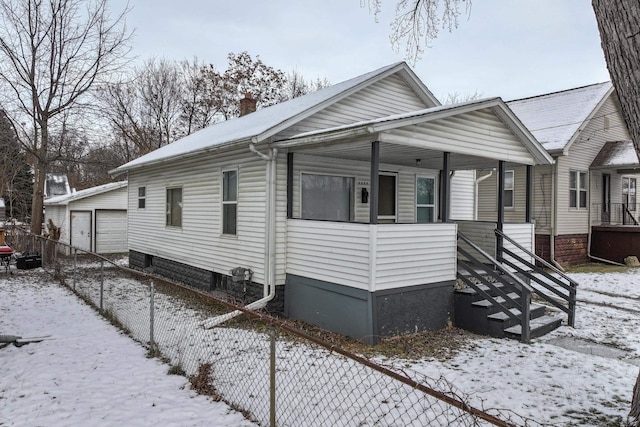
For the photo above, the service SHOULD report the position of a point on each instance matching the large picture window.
(174, 207)
(629, 193)
(229, 202)
(577, 190)
(425, 199)
(327, 197)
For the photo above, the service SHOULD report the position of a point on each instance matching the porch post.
(373, 186)
(529, 195)
(289, 185)
(500, 222)
(445, 186)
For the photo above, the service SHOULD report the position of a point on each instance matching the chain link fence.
(260, 365)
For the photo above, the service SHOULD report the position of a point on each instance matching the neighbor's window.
(174, 207)
(327, 197)
(629, 193)
(142, 197)
(508, 198)
(577, 190)
(229, 202)
(425, 199)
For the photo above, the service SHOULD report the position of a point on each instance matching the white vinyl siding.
(200, 241)
(386, 97)
(372, 257)
(463, 195)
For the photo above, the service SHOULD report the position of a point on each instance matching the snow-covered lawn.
(88, 373)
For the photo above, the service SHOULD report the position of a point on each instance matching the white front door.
(81, 230)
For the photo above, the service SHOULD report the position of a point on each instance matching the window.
(229, 202)
(577, 190)
(629, 193)
(425, 199)
(327, 197)
(507, 197)
(142, 197)
(174, 207)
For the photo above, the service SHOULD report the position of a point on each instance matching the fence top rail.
(551, 267)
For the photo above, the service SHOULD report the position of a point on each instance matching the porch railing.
(612, 214)
(556, 287)
(487, 276)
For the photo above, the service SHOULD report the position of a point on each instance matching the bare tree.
(52, 53)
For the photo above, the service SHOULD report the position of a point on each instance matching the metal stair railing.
(492, 268)
(560, 285)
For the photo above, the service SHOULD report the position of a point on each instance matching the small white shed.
(94, 219)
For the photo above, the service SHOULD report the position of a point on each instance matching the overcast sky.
(505, 48)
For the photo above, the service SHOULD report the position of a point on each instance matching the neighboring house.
(336, 205)
(56, 185)
(589, 180)
(94, 219)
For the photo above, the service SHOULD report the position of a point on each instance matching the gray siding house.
(336, 205)
(591, 182)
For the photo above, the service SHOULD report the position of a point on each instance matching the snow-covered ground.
(88, 373)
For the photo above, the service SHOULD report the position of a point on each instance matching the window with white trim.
(174, 207)
(327, 197)
(230, 202)
(425, 199)
(142, 197)
(629, 192)
(577, 190)
(508, 193)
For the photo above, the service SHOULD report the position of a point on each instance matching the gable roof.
(266, 122)
(616, 154)
(83, 194)
(555, 119)
(497, 105)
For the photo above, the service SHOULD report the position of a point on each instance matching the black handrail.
(523, 290)
(568, 284)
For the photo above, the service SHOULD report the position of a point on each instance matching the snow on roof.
(616, 154)
(252, 125)
(554, 118)
(65, 199)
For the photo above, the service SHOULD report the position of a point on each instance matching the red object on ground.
(6, 251)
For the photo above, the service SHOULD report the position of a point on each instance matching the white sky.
(511, 49)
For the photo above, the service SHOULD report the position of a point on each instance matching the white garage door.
(111, 231)
(81, 230)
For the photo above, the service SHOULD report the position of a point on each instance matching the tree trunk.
(619, 25)
(37, 204)
(635, 402)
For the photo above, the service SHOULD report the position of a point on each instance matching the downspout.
(554, 216)
(478, 181)
(269, 291)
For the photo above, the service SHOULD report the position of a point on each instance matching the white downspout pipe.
(269, 291)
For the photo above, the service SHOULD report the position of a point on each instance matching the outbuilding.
(94, 219)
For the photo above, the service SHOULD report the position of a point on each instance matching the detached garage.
(94, 219)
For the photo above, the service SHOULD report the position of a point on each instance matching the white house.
(336, 204)
(592, 182)
(94, 219)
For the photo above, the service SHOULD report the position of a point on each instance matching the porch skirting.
(365, 315)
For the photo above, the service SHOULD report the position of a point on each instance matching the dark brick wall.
(571, 249)
(206, 280)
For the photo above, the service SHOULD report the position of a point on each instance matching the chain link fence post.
(151, 317)
(272, 378)
(101, 282)
(75, 263)
(43, 245)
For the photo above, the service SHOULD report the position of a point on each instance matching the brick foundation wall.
(206, 280)
(570, 249)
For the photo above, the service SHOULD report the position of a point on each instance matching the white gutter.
(478, 181)
(269, 291)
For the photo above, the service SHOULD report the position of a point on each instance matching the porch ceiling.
(397, 154)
